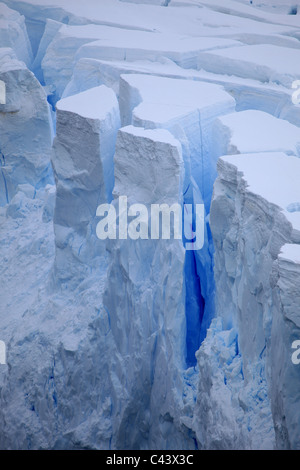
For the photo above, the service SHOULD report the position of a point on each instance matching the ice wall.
(25, 127)
(253, 131)
(285, 330)
(13, 34)
(145, 297)
(250, 223)
(108, 43)
(187, 109)
(83, 151)
(101, 336)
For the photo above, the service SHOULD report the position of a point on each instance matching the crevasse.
(142, 344)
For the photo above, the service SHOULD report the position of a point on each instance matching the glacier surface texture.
(129, 341)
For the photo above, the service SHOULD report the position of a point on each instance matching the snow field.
(141, 344)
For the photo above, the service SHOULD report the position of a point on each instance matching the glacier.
(25, 115)
(13, 34)
(143, 344)
(82, 160)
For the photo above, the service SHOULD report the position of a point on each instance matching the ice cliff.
(129, 342)
(82, 160)
(250, 222)
(25, 152)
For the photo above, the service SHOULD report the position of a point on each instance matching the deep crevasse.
(118, 325)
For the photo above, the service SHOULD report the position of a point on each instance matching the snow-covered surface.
(152, 276)
(147, 17)
(13, 34)
(250, 223)
(25, 128)
(291, 253)
(246, 9)
(272, 176)
(142, 344)
(248, 93)
(102, 42)
(259, 61)
(133, 177)
(92, 104)
(255, 131)
(187, 109)
(284, 193)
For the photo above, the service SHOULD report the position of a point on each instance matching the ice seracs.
(254, 131)
(108, 43)
(286, 331)
(160, 168)
(13, 33)
(82, 159)
(49, 32)
(186, 108)
(150, 2)
(250, 223)
(25, 128)
(151, 273)
(141, 344)
(259, 62)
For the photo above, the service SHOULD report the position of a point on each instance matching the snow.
(76, 42)
(134, 173)
(249, 94)
(285, 331)
(13, 34)
(182, 20)
(149, 2)
(291, 253)
(145, 344)
(252, 11)
(51, 29)
(25, 153)
(250, 225)
(152, 279)
(281, 187)
(255, 131)
(258, 61)
(186, 108)
(183, 51)
(91, 104)
(152, 102)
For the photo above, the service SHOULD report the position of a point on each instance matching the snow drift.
(142, 344)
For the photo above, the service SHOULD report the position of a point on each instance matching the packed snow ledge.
(142, 343)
